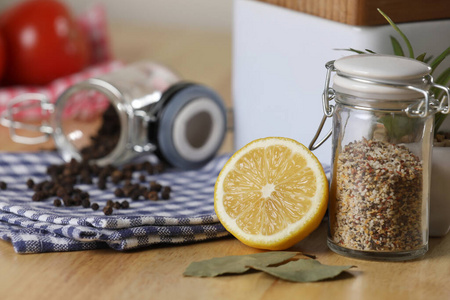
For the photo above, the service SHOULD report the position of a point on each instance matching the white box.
(279, 58)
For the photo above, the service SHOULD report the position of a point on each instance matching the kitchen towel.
(37, 226)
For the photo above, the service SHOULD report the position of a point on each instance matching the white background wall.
(215, 15)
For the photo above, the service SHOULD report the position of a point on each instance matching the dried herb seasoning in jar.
(382, 134)
(378, 201)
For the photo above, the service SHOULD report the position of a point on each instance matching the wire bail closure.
(421, 109)
(328, 110)
(20, 104)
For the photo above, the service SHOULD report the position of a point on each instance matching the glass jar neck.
(375, 104)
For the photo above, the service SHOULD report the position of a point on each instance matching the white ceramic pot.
(440, 192)
(440, 188)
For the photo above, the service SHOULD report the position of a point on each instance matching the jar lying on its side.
(382, 141)
(146, 108)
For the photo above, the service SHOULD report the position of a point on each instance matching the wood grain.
(157, 273)
(364, 12)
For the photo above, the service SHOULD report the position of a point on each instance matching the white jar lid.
(389, 69)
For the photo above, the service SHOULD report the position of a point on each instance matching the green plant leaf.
(408, 44)
(421, 57)
(303, 270)
(236, 264)
(396, 47)
(428, 59)
(443, 79)
(438, 120)
(352, 50)
(435, 63)
(399, 126)
(393, 126)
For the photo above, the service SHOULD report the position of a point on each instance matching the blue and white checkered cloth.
(34, 227)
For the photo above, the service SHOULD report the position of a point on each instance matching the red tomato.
(2, 57)
(42, 42)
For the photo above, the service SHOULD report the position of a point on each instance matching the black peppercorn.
(159, 167)
(154, 186)
(85, 203)
(30, 183)
(152, 195)
(38, 196)
(142, 178)
(95, 206)
(135, 194)
(101, 184)
(165, 195)
(57, 202)
(3, 185)
(61, 192)
(119, 192)
(107, 210)
(77, 200)
(84, 195)
(116, 176)
(67, 200)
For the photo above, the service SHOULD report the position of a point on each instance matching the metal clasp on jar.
(22, 103)
(420, 109)
(328, 109)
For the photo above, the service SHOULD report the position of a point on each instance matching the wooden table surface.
(156, 273)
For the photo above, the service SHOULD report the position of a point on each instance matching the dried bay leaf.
(236, 264)
(303, 270)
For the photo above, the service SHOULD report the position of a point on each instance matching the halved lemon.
(271, 194)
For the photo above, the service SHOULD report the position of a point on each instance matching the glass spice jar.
(383, 121)
(146, 108)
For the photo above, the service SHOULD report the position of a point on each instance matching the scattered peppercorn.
(142, 178)
(107, 210)
(85, 203)
(152, 195)
(3, 185)
(119, 192)
(95, 206)
(64, 177)
(154, 186)
(135, 194)
(30, 183)
(77, 200)
(116, 176)
(38, 196)
(66, 200)
(159, 167)
(61, 192)
(165, 194)
(57, 202)
(143, 191)
(101, 184)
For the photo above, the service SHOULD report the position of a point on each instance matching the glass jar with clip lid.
(146, 107)
(381, 157)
